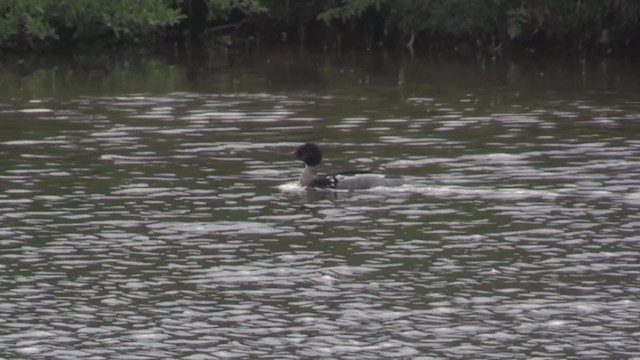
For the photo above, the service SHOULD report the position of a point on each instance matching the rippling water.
(168, 224)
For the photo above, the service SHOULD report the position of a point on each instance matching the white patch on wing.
(360, 181)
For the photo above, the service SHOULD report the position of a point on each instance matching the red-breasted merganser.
(311, 155)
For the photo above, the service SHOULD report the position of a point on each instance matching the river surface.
(149, 208)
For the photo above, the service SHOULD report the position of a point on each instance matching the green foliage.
(28, 20)
(409, 16)
(220, 9)
(294, 11)
(574, 22)
(459, 17)
(350, 9)
(578, 20)
(18, 16)
(516, 20)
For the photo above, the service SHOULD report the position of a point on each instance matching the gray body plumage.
(310, 178)
(360, 181)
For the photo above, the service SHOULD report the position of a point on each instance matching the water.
(147, 213)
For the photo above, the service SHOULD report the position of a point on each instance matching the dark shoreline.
(479, 28)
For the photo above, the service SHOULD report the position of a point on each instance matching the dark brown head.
(309, 153)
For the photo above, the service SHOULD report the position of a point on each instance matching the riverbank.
(477, 27)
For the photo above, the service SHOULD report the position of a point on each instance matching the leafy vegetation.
(32, 22)
(482, 24)
(576, 23)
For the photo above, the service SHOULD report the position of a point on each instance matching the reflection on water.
(168, 224)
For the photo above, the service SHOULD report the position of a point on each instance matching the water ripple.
(172, 226)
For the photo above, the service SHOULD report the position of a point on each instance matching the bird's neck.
(308, 174)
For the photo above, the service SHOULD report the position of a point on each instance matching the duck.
(311, 155)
